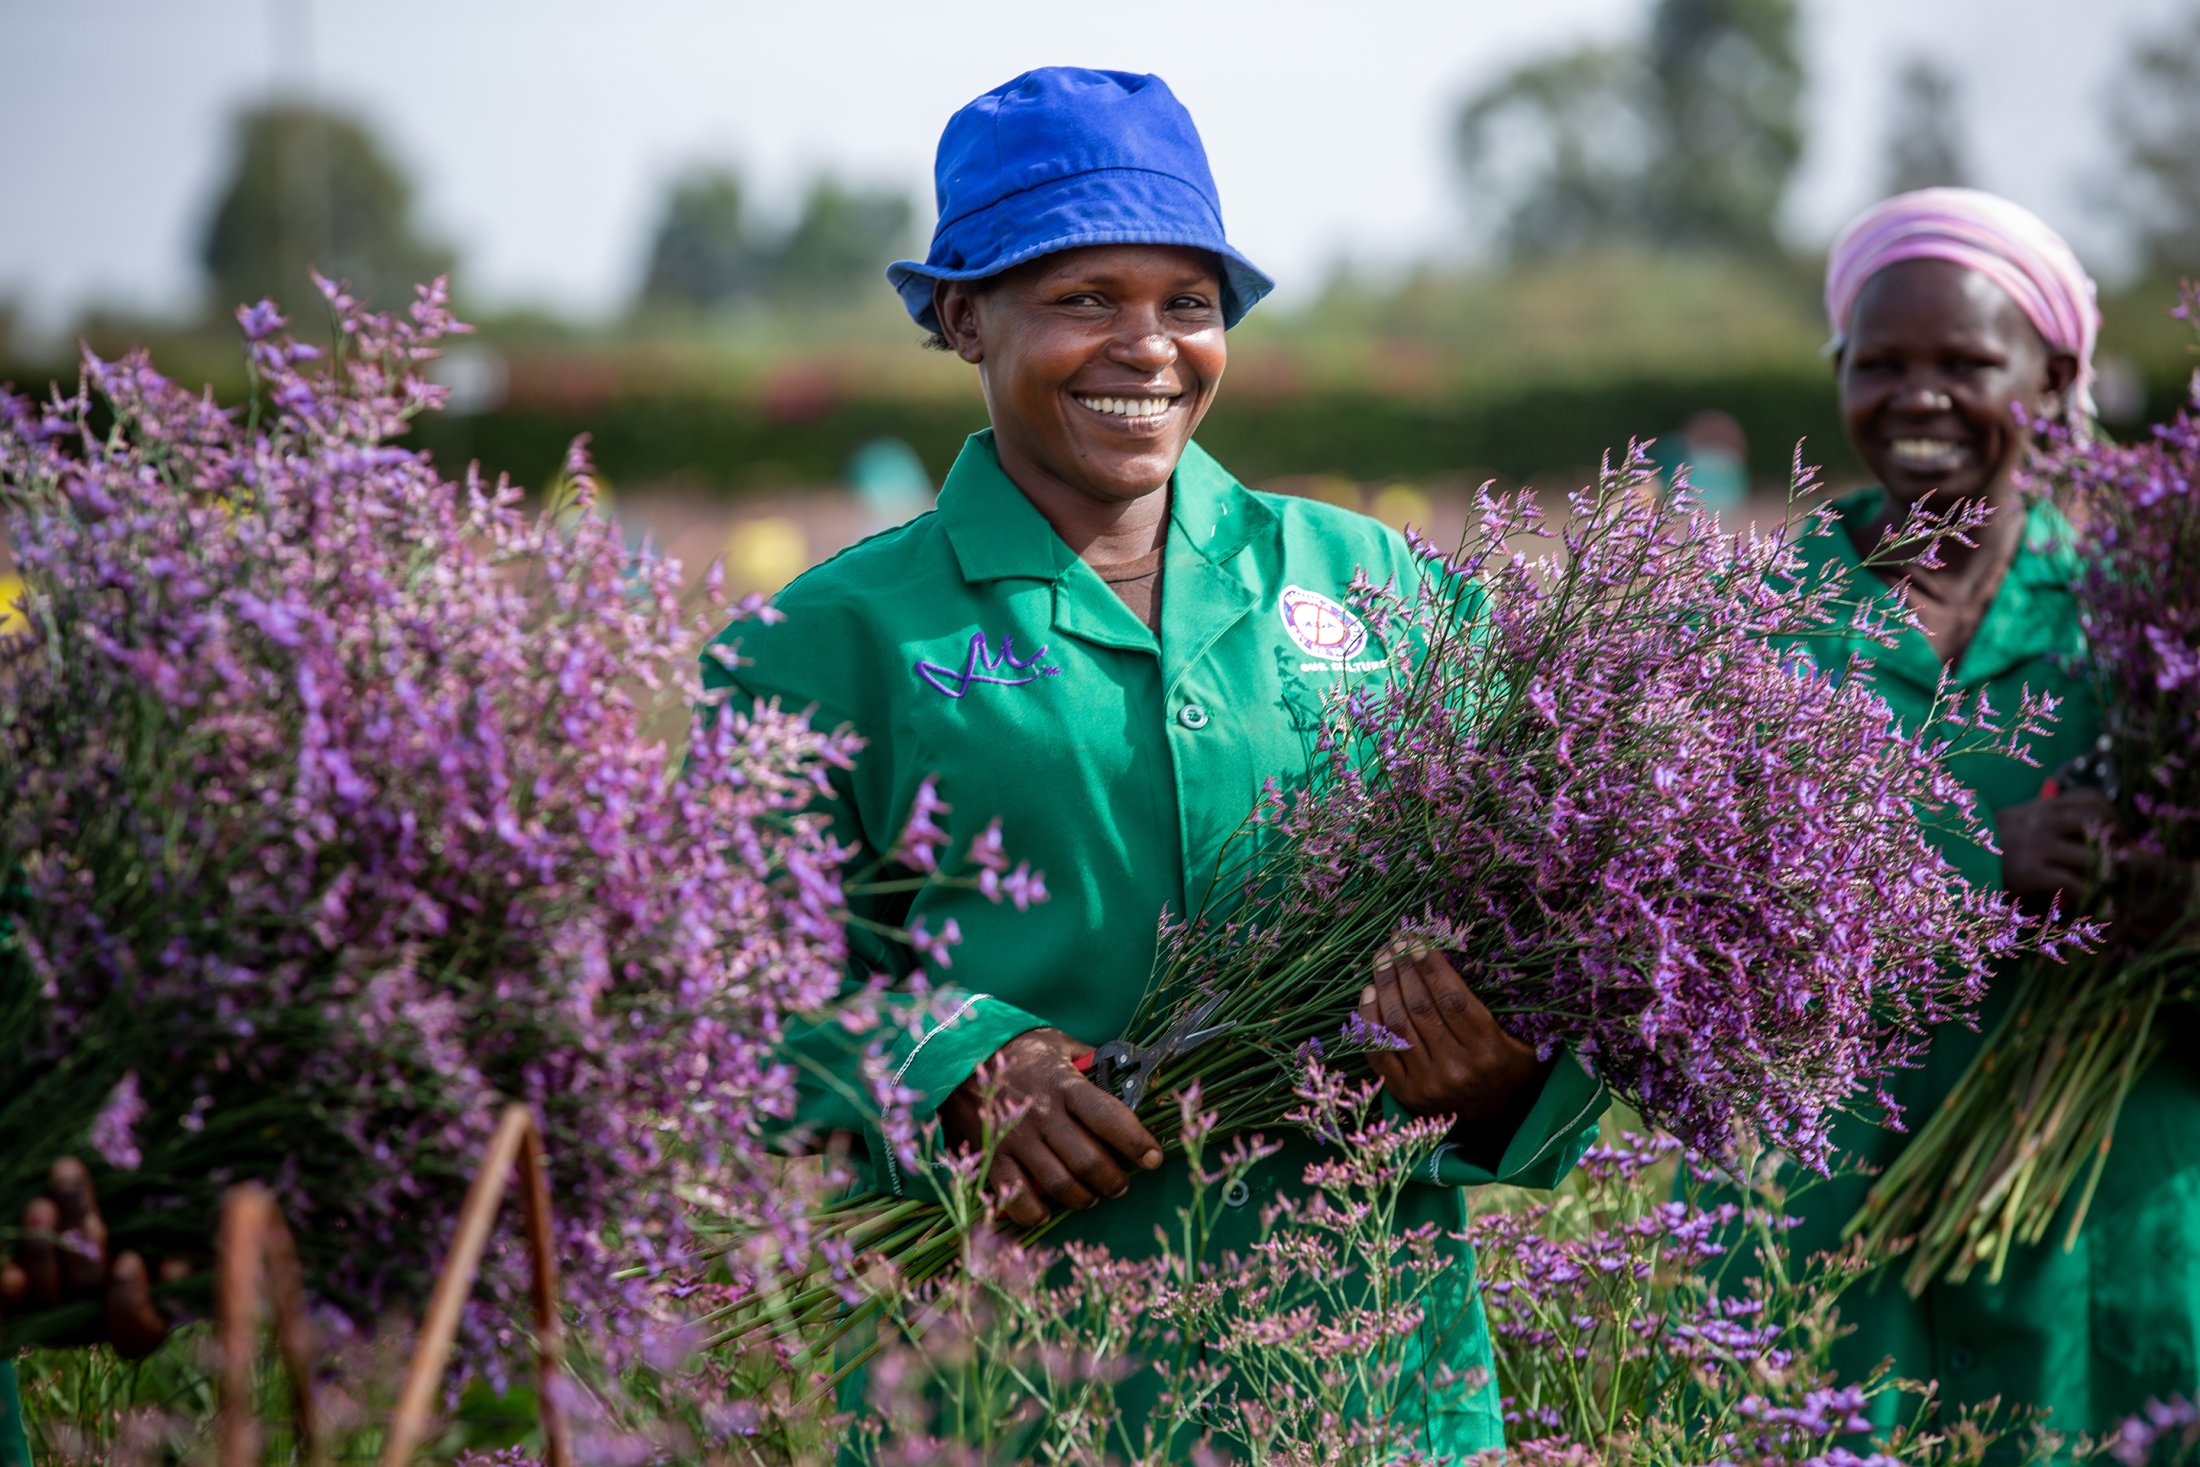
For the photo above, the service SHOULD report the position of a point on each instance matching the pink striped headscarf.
(2005, 242)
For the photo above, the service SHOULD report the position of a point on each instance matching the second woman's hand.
(1073, 1143)
(1459, 1060)
(2051, 847)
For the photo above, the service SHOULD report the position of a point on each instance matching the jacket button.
(1191, 715)
(1236, 1194)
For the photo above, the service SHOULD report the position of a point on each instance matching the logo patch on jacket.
(1319, 626)
(981, 664)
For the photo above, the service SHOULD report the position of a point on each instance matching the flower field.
(404, 937)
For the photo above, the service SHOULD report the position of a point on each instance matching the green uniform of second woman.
(1951, 309)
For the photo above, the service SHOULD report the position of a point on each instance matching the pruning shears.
(1127, 1069)
(2094, 770)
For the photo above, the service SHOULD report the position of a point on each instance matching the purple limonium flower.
(921, 835)
(114, 1132)
(1361, 1033)
(987, 851)
(1025, 887)
(2134, 1442)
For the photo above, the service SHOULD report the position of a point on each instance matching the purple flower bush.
(1292, 1353)
(2137, 508)
(339, 811)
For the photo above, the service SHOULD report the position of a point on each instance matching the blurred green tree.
(311, 189)
(2154, 117)
(1555, 152)
(703, 254)
(843, 239)
(1686, 138)
(1726, 83)
(1925, 140)
(709, 253)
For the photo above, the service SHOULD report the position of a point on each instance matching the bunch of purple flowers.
(338, 812)
(1638, 823)
(2138, 514)
(2038, 1110)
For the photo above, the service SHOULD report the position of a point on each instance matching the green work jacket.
(2089, 1334)
(973, 645)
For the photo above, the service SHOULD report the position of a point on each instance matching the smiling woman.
(1107, 642)
(1097, 365)
(1958, 319)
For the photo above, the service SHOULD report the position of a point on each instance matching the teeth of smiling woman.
(1926, 450)
(1128, 407)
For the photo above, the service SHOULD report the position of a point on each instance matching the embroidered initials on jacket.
(982, 665)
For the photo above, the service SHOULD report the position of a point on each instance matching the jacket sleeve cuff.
(963, 1031)
(1558, 1128)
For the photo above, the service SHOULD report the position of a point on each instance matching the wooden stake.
(255, 1260)
(517, 1141)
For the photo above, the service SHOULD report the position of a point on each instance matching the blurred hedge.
(1522, 375)
(797, 428)
(1531, 432)
(1537, 432)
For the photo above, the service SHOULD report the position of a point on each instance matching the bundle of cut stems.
(2034, 1115)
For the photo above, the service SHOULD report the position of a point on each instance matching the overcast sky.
(542, 132)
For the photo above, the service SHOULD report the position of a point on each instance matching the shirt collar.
(998, 534)
(2017, 627)
(2034, 615)
(1217, 514)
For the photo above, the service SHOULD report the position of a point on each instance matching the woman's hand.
(2051, 847)
(61, 1258)
(1073, 1143)
(1461, 1062)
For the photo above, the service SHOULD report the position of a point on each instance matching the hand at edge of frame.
(1461, 1063)
(62, 1258)
(1074, 1143)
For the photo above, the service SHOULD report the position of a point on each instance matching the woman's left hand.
(1461, 1062)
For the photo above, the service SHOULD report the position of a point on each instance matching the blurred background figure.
(765, 552)
(1714, 452)
(1585, 221)
(889, 478)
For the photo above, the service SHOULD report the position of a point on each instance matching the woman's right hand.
(1074, 1143)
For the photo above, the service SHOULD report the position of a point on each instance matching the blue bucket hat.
(1062, 157)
